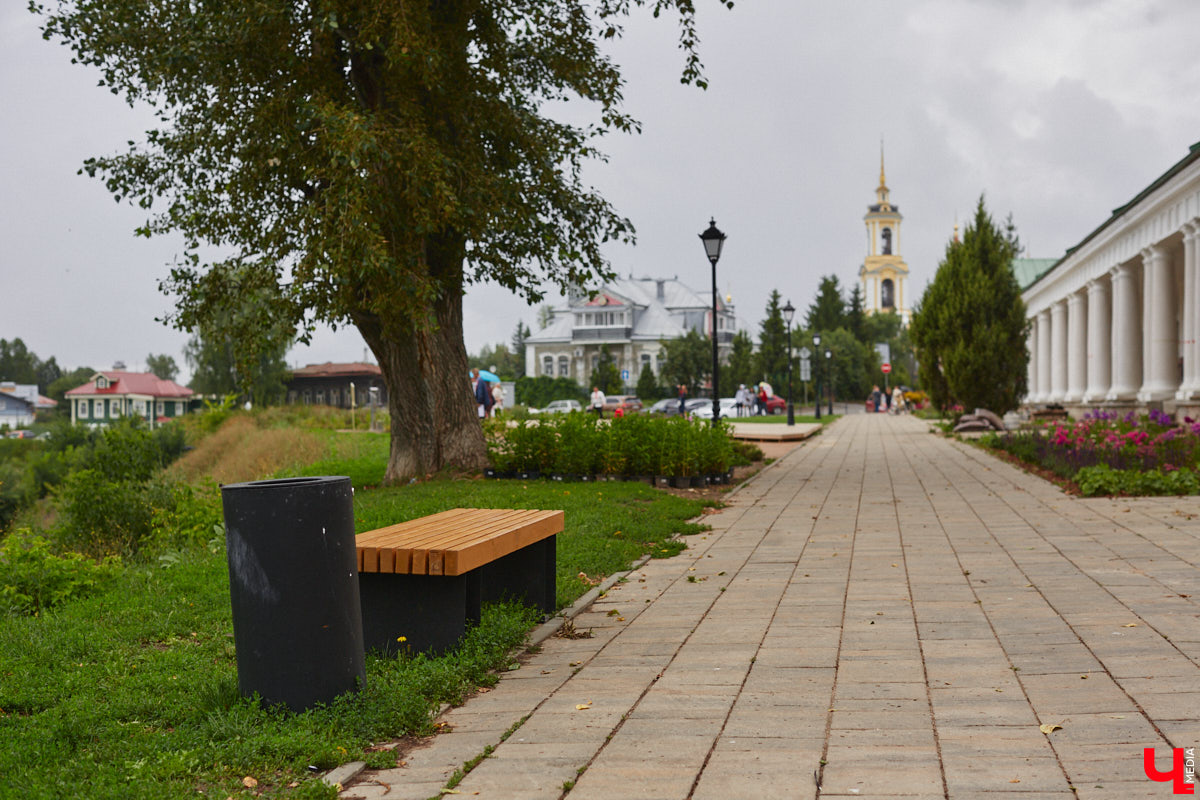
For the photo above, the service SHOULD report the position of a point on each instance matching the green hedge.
(636, 445)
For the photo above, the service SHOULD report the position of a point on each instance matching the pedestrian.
(876, 398)
(497, 399)
(742, 400)
(762, 400)
(597, 402)
(483, 395)
(897, 400)
(682, 397)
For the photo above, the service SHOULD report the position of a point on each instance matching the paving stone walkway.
(883, 614)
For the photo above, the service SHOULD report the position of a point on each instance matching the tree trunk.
(434, 423)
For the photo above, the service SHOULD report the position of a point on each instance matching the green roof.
(1029, 270)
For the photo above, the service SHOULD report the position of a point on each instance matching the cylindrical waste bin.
(293, 583)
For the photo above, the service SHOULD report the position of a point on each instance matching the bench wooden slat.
(454, 542)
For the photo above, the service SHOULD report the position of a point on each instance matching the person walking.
(742, 399)
(483, 395)
(897, 400)
(682, 397)
(597, 403)
(497, 399)
(762, 399)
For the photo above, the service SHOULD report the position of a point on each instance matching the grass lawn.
(132, 691)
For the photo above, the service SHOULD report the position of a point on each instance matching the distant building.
(15, 412)
(336, 385)
(630, 315)
(111, 395)
(29, 393)
(883, 274)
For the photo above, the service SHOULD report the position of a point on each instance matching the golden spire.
(882, 179)
(956, 227)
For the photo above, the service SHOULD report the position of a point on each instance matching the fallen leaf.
(583, 706)
(1015, 780)
(1049, 728)
(1130, 625)
(249, 782)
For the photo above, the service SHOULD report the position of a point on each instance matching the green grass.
(132, 691)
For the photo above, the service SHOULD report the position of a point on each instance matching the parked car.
(776, 404)
(628, 403)
(559, 407)
(728, 409)
(21, 434)
(669, 405)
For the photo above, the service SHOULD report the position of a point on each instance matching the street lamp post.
(788, 313)
(817, 346)
(713, 240)
(829, 363)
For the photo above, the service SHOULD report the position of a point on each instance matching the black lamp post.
(817, 346)
(713, 240)
(829, 363)
(788, 313)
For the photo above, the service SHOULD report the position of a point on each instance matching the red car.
(776, 404)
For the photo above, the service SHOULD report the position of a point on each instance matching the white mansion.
(1115, 321)
(630, 315)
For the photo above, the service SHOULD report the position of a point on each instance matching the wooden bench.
(425, 579)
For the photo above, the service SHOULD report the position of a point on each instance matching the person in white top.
(498, 395)
(598, 401)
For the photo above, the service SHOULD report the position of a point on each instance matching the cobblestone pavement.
(883, 613)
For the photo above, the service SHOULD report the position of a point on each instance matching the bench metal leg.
(430, 611)
(527, 575)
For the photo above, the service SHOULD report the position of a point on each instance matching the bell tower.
(883, 274)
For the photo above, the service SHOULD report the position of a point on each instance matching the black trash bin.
(293, 583)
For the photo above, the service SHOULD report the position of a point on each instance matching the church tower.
(884, 275)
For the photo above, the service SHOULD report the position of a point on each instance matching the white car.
(728, 409)
(559, 407)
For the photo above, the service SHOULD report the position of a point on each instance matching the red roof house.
(108, 396)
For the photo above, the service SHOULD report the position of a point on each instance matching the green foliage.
(686, 360)
(969, 329)
(541, 391)
(647, 388)
(102, 516)
(33, 579)
(1104, 480)
(500, 360)
(58, 388)
(163, 366)
(772, 346)
(742, 366)
(19, 364)
(606, 376)
(828, 310)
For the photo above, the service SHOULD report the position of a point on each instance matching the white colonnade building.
(1115, 322)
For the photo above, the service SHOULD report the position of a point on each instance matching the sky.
(1057, 111)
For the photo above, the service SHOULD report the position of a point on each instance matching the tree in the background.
(970, 329)
(772, 344)
(163, 366)
(606, 375)
(648, 389)
(828, 310)
(543, 390)
(687, 360)
(17, 362)
(855, 317)
(242, 349)
(57, 390)
(743, 364)
(372, 160)
(519, 337)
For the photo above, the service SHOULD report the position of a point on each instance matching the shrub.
(33, 579)
(101, 517)
(1104, 480)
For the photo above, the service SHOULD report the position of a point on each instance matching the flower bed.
(578, 446)
(1105, 453)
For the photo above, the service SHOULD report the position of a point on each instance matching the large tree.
(687, 360)
(969, 329)
(828, 310)
(372, 159)
(163, 366)
(772, 344)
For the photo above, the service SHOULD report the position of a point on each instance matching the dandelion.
(401, 639)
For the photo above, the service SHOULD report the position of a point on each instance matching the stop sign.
(886, 368)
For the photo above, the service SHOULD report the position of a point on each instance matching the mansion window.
(646, 361)
(601, 319)
(548, 366)
(564, 367)
(83, 408)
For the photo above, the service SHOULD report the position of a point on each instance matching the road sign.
(804, 353)
(624, 374)
(805, 369)
(886, 368)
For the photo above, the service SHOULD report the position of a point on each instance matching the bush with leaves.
(33, 578)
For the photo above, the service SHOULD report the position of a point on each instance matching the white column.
(1031, 387)
(1160, 379)
(1044, 336)
(1191, 313)
(1099, 341)
(1077, 317)
(1058, 352)
(1126, 334)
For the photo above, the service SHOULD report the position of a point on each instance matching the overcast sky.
(1057, 110)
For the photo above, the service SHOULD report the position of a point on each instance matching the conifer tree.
(772, 344)
(970, 329)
